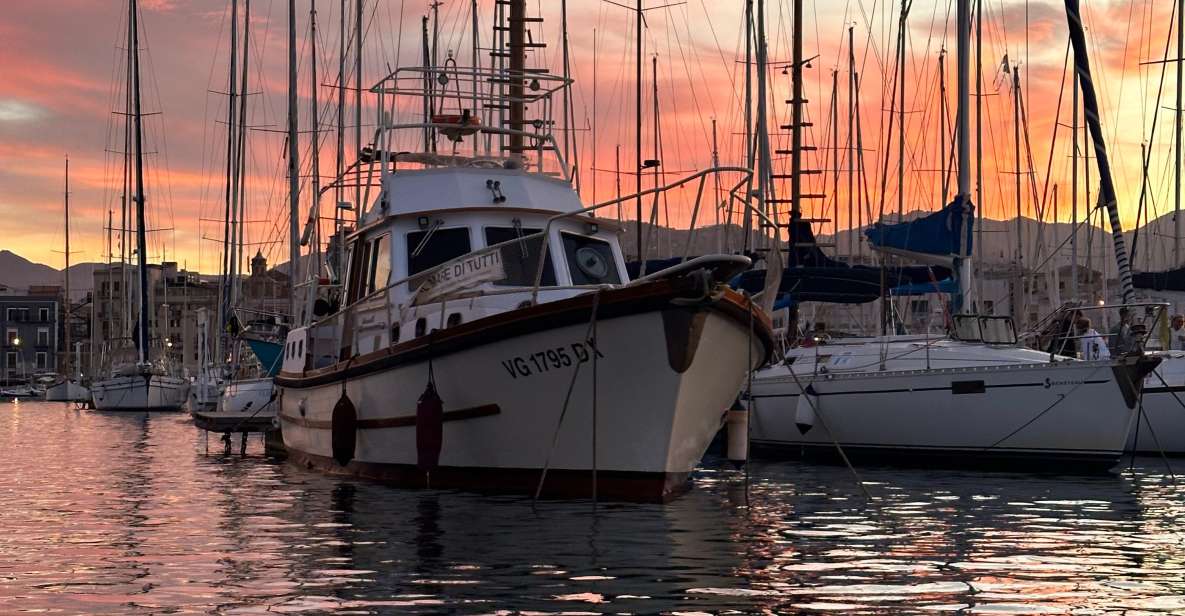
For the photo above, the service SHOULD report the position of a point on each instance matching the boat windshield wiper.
(427, 236)
(518, 233)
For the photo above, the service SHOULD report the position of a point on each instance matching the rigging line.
(1155, 116)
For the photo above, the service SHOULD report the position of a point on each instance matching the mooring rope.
(592, 323)
(834, 441)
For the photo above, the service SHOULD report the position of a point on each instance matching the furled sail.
(938, 238)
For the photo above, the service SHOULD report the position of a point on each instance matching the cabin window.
(442, 245)
(379, 272)
(521, 259)
(359, 257)
(454, 320)
(590, 260)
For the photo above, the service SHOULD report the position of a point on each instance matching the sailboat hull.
(1056, 416)
(150, 392)
(248, 396)
(67, 391)
(1161, 427)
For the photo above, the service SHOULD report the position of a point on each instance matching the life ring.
(457, 125)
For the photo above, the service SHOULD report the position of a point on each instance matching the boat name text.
(550, 359)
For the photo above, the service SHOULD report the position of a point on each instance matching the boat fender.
(344, 429)
(738, 433)
(804, 414)
(429, 428)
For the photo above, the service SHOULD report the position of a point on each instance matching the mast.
(592, 168)
(942, 156)
(966, 274)
(638, 123)
(141, 242)
(1074, 196)
(1177, 141)
(357, 101)
(748, 215)
(340, 158)
(1107, 185)
(795, 117)
(963, 144)
(67, 270)
(716, 194)
(901, 113)
(566, 100)
(518, 61)
(293, 166)
(315, 206)
(231, 207)
(852, 230)
(835, 153)
(241, 166)
(1019, 259)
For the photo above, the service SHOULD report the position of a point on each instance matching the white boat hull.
(1042, 414)
(504, 404)
(140, 393)
(203, 395)
(248, 396)
(67, 391)
(1162, 425)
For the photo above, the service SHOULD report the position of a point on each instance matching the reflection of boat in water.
(449, 551)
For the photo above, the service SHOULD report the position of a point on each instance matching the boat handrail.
(534, 288)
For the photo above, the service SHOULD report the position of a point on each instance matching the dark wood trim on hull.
(154, 409)
(1066, 462)
(560, 484)
(614, 303)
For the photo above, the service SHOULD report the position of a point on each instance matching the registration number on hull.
(547, 360)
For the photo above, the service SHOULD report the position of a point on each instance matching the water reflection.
(115, 514)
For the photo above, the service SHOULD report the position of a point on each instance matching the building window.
(43, 315)
(919, 307)
(43, 336)
(42, 361)
(11, 314)
(11, 336)
(10, 360)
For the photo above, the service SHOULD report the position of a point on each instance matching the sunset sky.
(61, 73)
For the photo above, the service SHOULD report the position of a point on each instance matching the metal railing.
(363, 303)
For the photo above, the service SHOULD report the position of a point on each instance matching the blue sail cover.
(938, 238)
(268, 353)
(948, 286)
(1171, 280)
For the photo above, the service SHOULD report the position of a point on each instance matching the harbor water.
(130, 514)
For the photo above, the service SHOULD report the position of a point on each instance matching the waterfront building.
(30, 327)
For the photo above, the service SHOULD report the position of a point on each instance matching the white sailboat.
(972, 399)
(488, 336)
(144, 385)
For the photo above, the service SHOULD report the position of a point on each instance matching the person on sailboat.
(1177, 333)
(1090, 341)
(1122, 337)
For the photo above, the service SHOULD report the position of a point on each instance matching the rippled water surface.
(129, 514)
